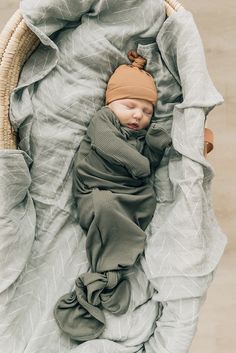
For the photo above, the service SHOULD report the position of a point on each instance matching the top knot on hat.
(132, 81)
(136, 59)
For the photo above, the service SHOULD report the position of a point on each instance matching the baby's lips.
(133, 126)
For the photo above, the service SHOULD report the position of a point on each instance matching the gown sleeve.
(156, 141)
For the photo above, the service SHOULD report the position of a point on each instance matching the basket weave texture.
(17, 42)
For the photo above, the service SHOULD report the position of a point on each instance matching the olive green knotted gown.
(115, 202)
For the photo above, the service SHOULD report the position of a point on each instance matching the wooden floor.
(216, 22)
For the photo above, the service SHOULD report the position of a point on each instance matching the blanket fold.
(17, 214)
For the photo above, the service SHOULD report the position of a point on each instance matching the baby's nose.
(138, 114)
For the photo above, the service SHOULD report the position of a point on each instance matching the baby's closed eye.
(129, 106)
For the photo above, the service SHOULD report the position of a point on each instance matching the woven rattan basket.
(17, 42)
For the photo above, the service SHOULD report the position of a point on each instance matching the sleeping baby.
(114, 197)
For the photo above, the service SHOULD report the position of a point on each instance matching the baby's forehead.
(135, 101)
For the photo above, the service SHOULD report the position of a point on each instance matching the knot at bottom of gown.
(79, 313)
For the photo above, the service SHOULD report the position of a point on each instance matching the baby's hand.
(157, 137)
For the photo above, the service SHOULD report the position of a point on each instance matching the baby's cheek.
(123, 120)
(146, 122)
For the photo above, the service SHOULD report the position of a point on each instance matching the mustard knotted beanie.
(132, 81)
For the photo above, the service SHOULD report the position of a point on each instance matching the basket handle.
(172, 6)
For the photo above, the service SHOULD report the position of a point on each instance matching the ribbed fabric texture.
(131, 82)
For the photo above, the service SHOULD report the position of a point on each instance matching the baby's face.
(133, 113)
